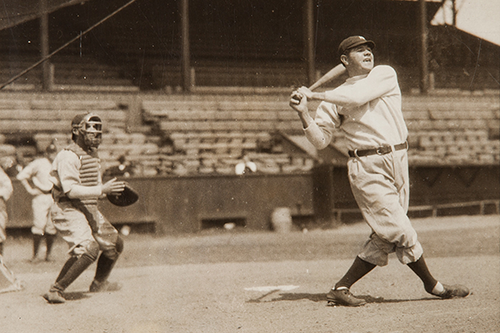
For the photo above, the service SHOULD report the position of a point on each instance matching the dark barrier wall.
(187, 204)
(182, 204)
(432, 185)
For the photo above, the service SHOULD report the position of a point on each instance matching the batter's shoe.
(456, 291)
(54, 297)
(99, 287)
(343, 297)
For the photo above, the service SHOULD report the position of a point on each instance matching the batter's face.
(359, 60)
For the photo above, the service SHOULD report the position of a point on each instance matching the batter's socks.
(72, 270)
(358, 269)
(430, 283)
(49, 241)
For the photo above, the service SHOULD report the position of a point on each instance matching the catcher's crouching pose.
(77, 187)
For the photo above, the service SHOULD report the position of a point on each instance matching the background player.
(35, 179)
(6, 190)
(367, 109)
(77, 187)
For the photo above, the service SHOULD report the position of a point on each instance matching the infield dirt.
(241, 281)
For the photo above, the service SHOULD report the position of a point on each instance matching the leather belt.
(382, 150)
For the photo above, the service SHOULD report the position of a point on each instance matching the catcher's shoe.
(343, 297)
(455, 291)
(54, 296)
(99, 287)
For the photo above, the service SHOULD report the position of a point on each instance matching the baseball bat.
(333, 73)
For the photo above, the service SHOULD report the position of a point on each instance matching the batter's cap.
(354, 41)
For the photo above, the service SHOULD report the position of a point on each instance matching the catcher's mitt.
(125, 198)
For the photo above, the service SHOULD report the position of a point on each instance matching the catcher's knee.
(115, 252)
(89, 248)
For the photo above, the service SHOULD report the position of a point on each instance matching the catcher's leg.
(71, 270)
(105, 264)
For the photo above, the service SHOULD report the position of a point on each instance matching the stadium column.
(424, 71)
(185, 61)
(310, 38)
(44, 43)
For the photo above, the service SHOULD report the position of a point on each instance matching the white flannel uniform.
(367, 109)
(6, 190)
(38, 173)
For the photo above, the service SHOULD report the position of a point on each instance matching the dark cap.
(354, 41)
(78, 119)
(51, 149)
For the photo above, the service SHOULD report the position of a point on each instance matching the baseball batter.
(77, 187)
(35, 179)
(367, 110)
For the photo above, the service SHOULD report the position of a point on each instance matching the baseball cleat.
(54, 297)
(99, 287)
(455, 291)
(343, 297)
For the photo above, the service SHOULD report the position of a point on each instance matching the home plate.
(272, 288)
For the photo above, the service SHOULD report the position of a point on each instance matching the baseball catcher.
(78, 185)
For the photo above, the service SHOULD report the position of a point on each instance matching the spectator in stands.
(6, 190)
(35, 179)
(124, 169)
(245, 166)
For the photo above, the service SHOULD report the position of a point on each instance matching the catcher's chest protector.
(89, 170)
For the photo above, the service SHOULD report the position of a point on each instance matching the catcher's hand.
(127, 197)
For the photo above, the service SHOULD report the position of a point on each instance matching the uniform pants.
(380, 185)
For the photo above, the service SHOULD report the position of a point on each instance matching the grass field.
(241, 281)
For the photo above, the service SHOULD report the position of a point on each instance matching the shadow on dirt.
(76, 295)
(322, 298)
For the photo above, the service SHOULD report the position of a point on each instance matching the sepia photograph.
(249, 166)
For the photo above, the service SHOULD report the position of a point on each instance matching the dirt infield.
(266, 282)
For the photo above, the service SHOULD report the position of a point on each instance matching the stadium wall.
(175, 205)
(189, 204)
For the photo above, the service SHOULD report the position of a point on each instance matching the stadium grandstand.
(187, 87)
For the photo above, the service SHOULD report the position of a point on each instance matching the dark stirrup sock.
(358, 269)
(420, 268)
(49, 241)
(37, 239)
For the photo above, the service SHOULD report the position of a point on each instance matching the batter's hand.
(298, 102)
(305, 92)
(113, 186)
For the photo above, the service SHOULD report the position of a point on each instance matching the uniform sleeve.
(6, 188)
(26, 173)
(320, 132)
(380, 81)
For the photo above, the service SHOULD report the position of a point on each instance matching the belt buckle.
(379, 150)
(356, 153)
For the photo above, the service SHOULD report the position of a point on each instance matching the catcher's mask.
(89, 126)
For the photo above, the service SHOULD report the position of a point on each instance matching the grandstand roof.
(14, 12)
(476, 17)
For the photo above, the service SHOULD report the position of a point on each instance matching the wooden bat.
(333, 73)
